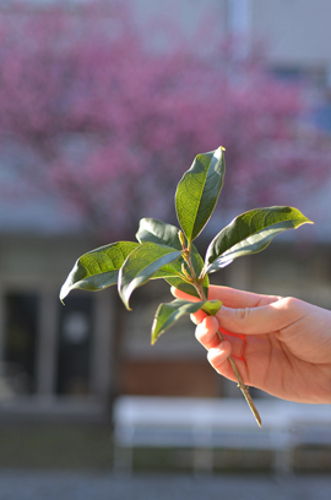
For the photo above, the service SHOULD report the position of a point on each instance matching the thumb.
(257, 320)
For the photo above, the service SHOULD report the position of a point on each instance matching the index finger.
(237, 299)
(230, 297)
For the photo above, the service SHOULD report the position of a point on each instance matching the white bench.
(207, 424)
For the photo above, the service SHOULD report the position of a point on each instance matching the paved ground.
(34, 485)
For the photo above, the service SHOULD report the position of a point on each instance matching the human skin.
(280, 345)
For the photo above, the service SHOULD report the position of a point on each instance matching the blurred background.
(103, 106)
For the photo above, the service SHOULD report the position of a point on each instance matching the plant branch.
(244, 388)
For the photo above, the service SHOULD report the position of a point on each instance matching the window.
(74, 346)
(20, 342)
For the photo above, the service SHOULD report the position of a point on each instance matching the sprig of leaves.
(164, 251)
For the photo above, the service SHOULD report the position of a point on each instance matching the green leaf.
(97, 269)
(249, 233)
(198, 191)
(141, 265)
(155, 231)
(167, 314)
(158, 232)
(161, 233)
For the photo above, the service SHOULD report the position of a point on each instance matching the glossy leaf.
(141, 265)
(158, 232)
(249, 233)
(97, 269)
(161, 233)
(198, 191)
(167, 314)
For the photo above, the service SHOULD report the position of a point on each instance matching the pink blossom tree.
(109, 125)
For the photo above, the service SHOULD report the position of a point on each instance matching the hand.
(280, 345)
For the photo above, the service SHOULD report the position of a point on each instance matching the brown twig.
(244, 388)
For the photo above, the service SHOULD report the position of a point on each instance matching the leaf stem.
(244, 388)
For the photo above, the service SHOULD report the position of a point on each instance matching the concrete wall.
(297, 31)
